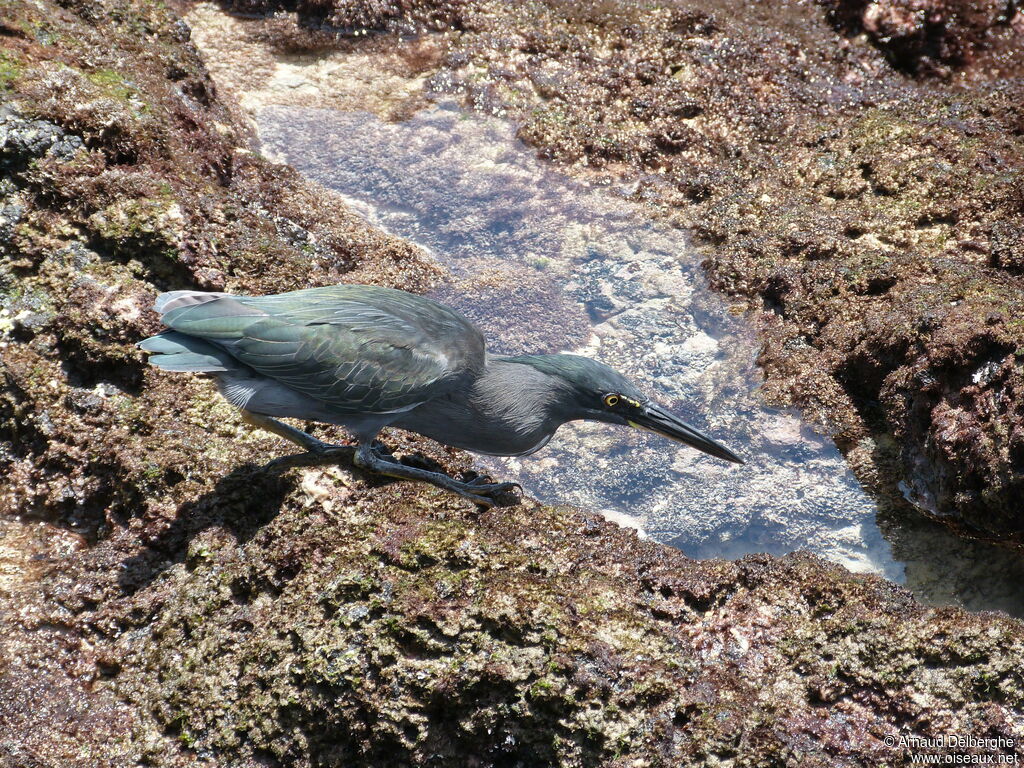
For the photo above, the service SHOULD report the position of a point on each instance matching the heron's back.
(351, 349)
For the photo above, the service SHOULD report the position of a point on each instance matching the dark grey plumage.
(366, 357)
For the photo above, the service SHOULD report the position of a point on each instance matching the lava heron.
(367, 357)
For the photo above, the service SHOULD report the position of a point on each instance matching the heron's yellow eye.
(611, 400)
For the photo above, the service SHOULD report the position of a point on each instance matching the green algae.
(11, 68)
(512, 652)
(114, 85)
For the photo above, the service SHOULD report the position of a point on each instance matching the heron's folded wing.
(352, 354)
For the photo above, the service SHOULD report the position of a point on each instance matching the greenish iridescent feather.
(357, 348)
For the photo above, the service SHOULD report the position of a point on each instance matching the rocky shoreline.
(872, 218)
(187, 608)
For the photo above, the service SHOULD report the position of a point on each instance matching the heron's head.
(596, 392)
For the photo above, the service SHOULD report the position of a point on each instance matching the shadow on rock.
(241, 503)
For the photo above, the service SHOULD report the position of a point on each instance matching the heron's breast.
(459, 425)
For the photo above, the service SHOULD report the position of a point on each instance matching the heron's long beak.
(656, 419)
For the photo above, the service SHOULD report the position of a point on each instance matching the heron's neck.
(515, 392)
(510, 409)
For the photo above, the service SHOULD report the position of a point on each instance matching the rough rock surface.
(875, 221)
(180, 606)
(368, 626)
(938, 37)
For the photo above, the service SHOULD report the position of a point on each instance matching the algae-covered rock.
(937, 37)
(166, 601)
(362, 627)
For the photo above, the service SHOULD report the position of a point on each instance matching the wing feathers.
(356, 348)
(165, 302)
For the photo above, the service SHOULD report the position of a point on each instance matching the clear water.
(544, 263)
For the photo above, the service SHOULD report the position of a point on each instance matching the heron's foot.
(478, 490)
(475, 490)
(483, 494)
(482, 484)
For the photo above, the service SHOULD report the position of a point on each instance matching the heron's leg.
(297, 436)
(475, 491)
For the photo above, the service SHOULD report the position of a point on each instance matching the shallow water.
(543, 263)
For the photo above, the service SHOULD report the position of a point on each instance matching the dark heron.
(366, 357)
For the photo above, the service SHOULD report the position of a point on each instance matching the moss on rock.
(189, 608)
(392, 624)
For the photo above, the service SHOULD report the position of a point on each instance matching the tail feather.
(173, 351)
(224, 319)
(165, 302)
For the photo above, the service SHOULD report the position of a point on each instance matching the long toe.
(479, 485)
(483, 501)
(479, 491)
(282, 463)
